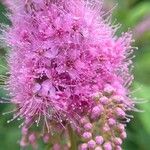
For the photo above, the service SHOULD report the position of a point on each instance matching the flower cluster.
(67, 67)
(105, 126)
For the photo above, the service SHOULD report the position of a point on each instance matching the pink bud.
(118, 141)
(121, 127)
(23, 142)
(111, 121)
(104, 100)
(99, 140)
(46, 138)
(98, 148)
(56, 147)
(84, 146)
(24, 131)
(32, 138)
(87, 135)
(107, 146)
(96, 111)
(91, 144)
(120, 112)
(84, 120)
(123, 135)
(118, 148)
(88, 126)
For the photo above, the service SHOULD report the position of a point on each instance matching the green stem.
(72, 139)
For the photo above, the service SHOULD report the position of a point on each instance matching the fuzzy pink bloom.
(66, 64)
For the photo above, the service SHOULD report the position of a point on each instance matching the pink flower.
(63, 54)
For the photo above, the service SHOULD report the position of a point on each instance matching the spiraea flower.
(68, 68)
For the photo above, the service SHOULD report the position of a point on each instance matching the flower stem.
(72, 137)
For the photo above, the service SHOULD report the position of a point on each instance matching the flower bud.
(123, 135)
(117, 141)
(98, 148)
(32, 138)
(46, 138)
(99, 140)
(107, 146)
(23, 142)
(121, 127)
(84, 120)
(111, 122)
(120, 112)
(88, 126)
(91, 144)
(24, 130)
(84, 146)
(87, 135)
(97, 111)
(118, 148)
(104, 100)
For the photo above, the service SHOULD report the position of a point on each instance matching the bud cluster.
(104, 128)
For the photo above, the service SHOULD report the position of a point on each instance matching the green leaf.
(137, 13)
(144, 93)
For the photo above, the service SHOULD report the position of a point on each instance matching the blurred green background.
(133, 15)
